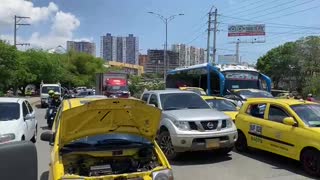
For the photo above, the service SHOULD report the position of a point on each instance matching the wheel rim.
(310, 162)
(166, 145)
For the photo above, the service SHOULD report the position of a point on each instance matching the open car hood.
(109, 116)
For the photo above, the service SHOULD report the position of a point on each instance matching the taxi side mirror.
(47, 136)
(289, 121)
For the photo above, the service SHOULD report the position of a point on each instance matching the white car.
(17, 120)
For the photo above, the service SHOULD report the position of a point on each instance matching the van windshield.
(46, 89)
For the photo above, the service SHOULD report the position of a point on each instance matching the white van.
(44, 89)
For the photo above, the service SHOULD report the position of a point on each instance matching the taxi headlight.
(183, 125)
(163, 175)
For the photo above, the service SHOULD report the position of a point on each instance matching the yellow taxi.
(222, 104)
(197, 90)
(287, 127)
(106, 139)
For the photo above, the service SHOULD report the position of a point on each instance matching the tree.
(8, 61)
(280, 63)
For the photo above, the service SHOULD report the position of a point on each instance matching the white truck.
(44, 89)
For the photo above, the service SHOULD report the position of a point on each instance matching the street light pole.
(166, 20)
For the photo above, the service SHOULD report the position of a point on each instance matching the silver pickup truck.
(190, 124)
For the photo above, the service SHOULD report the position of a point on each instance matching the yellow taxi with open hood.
(106, 139)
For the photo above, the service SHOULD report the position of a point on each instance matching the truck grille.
(209, 125)
(193, 126)
(224, 124)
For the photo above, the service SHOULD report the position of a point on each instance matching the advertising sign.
(227, 59)
(246, 30)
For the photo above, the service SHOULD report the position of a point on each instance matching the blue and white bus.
(217, 79)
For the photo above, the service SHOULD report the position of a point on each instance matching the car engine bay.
(119, 162)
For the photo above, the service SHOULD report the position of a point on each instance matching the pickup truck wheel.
(241, 143)
(166, 145)
(310, 160)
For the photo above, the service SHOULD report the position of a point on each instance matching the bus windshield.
(241, 79)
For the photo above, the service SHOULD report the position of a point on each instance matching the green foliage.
(296, 62)
(137, 84)
(8, 61)
(18, 69)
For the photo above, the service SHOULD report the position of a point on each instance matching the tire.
(165, 143)
(310, 160)
(34, 138)
(241, 144)
(224, 151)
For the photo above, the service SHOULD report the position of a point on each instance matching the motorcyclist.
(51, 93)
(56, 100)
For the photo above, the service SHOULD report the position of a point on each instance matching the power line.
(241, 12)
(241, 7)
(276, 24)
(284, 15)
(197, 37)
(278, 5)
(290, 7)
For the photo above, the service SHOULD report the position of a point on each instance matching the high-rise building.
(189, 55)
(82, 46)
(143, 59)
(155, 61)
(120, 49)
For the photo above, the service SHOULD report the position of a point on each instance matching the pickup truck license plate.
(212, 143)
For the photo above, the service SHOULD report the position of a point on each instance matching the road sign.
(246, 30)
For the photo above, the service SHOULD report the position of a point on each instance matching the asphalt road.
(205, 166)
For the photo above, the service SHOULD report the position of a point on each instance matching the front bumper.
(205, 141)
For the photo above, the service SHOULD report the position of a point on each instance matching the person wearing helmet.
(310, 97)
(56, 100)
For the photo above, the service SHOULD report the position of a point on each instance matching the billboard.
(227, 59)
(246, 30)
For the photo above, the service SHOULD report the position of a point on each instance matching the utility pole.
(17, 19)
(237, 51)
(208, 38)
(215, 29)
(166, 20)
(243, 42)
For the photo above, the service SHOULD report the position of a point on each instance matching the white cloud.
(61, 29)
(10, 8)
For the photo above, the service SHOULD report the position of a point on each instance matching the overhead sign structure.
(246, 30)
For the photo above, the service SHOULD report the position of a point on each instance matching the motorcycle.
(51, 116)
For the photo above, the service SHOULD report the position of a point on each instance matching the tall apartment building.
(82, 46)
(155, 61)
(120, 49)
(189, 55)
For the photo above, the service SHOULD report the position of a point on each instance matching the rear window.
(9, 111)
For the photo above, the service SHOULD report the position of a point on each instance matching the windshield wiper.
(194, 107)
(173, 108)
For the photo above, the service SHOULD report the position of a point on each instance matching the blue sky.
(285, 20)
